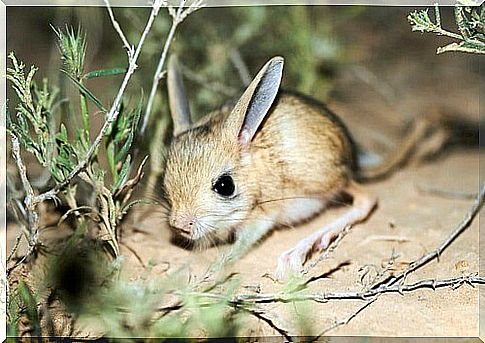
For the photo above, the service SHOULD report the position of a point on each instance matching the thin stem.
(15, 247)
(445, 193)
(32, 233)
(346, 320)
(23, 259)
(328, 251)
(213, 86)
(460, 22)
(129, 48)
(32, 215)
(158, 72)
(443, 32)
(241, 67)
(85, 117)
(261, 315)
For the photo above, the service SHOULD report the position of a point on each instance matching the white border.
(220, 3)
(3, 171)
(145, 3)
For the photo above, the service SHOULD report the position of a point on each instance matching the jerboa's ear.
(179, 106)
(256, 101)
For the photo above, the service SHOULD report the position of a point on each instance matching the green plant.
(22, 305)
(74, 159)
(469, 20)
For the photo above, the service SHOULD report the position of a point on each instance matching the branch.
(23, 258)
(465, 223)
(260, 315)
(346, 320)
(470, 36)
(32, 215)
(111, 116)
(177, 17)
(445, 193)
(30, 207)
(241, 67)
(15, 247)
(420, 21)
(129, 48)
(326, 297)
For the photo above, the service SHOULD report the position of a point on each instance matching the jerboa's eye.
(224, 186)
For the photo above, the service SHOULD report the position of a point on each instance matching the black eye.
(224, 186)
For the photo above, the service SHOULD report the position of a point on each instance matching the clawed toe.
(290, 263)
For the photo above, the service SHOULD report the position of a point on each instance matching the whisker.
(207, 240)
(214, 240)
(331, 200)
(216, 215)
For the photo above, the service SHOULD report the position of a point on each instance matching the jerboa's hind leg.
(362, 205)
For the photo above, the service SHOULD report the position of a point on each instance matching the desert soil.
(407, 222)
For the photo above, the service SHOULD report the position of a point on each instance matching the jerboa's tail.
(426, 137)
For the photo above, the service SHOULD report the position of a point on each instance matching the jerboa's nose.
(183, 223)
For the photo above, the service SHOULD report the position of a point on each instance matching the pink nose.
(184, 223)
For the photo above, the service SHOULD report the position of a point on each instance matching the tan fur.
(298, 152)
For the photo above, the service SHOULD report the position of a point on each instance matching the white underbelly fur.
(298, 210)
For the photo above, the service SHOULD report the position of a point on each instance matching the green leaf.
(123, 172)
(30, 303)
(62, 135)
(72, 46)
(420, 21)
(98, 173)
(86, 92)
(104, 72)
(110, 154)
(134, 124)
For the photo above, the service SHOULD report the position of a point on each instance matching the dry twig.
(241, 67)
(328, 251)
(29, 201)
(261, 315)
(365, 295)
(129, 48)
(15, 247)
(345, 321)
(32, 233)
(214, 86)
(177, 17)
(464, 224)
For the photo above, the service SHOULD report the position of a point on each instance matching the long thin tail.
(426, 137)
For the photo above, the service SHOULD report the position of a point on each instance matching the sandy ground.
(407, 221)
